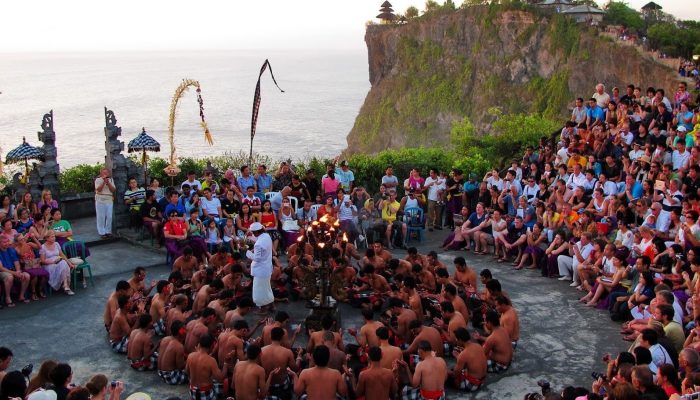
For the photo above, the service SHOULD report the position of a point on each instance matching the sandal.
(25, 301)
(500, 260)
(11, 305)
(69, 292)
(35, 297)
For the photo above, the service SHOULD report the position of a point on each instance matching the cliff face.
(440, 68)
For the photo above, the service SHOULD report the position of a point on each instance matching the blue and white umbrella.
(25, 152)
(143, 143)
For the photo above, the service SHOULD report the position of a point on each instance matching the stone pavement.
(562, 341)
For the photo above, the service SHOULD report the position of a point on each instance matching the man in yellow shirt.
(576, 158)
(390, 207)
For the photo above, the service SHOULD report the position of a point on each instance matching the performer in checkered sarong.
(205, 376)
(171, 364)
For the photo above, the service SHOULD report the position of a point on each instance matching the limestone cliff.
(442, 67)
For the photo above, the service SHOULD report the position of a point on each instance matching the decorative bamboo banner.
(256, 104)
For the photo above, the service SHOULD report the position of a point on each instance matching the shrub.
(79, 179)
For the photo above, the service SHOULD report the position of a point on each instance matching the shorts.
(497, 368)
(468, 383)
(176, 377)
(159, 327)
(411, 393)
(149, 363)
(281, 391)
(119, 346)
(5, 275)
(208, 392)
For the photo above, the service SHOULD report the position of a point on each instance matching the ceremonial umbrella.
(25, 152)
(143, 142)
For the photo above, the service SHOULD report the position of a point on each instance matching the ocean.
(323, 93)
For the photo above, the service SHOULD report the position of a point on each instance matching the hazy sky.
(88, 25)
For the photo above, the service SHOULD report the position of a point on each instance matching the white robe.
(261, 270)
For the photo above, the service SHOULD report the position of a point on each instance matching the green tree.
(619, 13)
(449, 5)
(673, 40)
(411, 12)
(430, 6)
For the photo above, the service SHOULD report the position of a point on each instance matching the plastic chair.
(269, 195)
(315, 208)
(413, 217)
(75, 249)
(294, 202)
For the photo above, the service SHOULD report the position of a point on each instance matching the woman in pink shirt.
(330, 184)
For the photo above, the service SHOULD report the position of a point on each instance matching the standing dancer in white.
(261, 268)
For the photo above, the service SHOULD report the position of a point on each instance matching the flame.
(321, 245)
(336, 224)
(345, 237)
(315, 223)
(300, 238)
(324, 219)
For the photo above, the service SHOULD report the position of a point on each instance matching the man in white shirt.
(609, 187)
(261, 269)
(680, 156)
(601, 98)
(433, 183)
(577, 178)
(659, 355)
(578, 114)
(104, 202)
(194, 183)
(579, 252)
(211, 207)
(389, 180)
(636, 151)
(347, 212)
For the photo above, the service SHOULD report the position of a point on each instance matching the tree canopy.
(619, 13)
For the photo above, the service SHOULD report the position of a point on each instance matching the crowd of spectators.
(32, 261)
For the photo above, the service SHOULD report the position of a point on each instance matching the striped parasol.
(143, 143)
(24, 152)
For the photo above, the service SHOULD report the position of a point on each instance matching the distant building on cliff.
(585, 14)
(555, 5)
(386, 13)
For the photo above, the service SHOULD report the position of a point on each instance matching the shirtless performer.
(140, 350)
(375, 283)
(219, 259)
(389, 353)
(186, 264)
(370, 258)
(509, 319)
(232, 342)
(428, 334)
(414, 257)
(244, 307)
(497, 346)
(470, 368)
(203, 296)
(433, 263)
(413, 298)
(198, 328)
(381, 252)
(321, 382)
(316, 338)
(464, 276)
(367, 336)
(404, 317)
(337, 359)
(202, 277)
(171, 356)
(297, 254)
(375, 382)
(121, 326)
(138, 287)
(205, 375)
(450, 322)
(276, 357)
(424, 278)
(249, 376)
(221, 304)
(399, 267)
(177, 312)
(281, 321)
(111, 307)
(430, 375)
(347, 250)
(158, 304)
(449, 293)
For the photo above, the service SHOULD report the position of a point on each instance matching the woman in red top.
(269, 220)
(327, 209)
(246, 218)
(175, 234)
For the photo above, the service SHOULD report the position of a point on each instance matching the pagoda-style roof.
(386, 4)
(651, 6)
(387, 15)
(583, 9)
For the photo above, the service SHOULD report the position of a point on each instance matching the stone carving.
(122, 168)
(44, 175)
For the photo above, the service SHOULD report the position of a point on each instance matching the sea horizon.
(324, 90)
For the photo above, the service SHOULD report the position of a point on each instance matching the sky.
(147, 25)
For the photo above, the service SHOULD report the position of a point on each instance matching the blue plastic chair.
(261, 196)
(76, 249)
(413, 217)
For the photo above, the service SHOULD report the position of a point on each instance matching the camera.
(694, 396)
(27, 370)
(114, 384)
(545, 386)
(599, 375)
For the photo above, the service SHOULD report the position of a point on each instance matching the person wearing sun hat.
(261, 268)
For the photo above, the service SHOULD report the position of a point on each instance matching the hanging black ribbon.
(256, 101)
